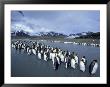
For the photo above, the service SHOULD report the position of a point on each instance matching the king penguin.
(93, 67)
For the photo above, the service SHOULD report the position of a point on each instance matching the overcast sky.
(60, 21)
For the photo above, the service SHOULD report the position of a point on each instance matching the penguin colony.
(56, 55)
(83, 44)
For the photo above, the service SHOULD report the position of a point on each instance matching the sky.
(61, 21)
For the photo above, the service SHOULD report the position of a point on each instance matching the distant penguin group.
(56, 55)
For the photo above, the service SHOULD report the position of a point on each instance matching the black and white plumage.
(39, 55)
(84, 60)
(73, 62)
(93, 67)
(67, 61)
(56, 55)
(76, 59)
(55, 64)
(83, 64)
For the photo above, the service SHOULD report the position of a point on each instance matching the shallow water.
(23, 65)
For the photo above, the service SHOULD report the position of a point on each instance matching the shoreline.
(83, 42)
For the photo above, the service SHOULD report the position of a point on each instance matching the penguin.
(29, 51)
(16, 46)
(48, 55)
(84, 60)
(55, 64)
(20, 47)
(73, 62)
(61, 56)
(93, 67)
(42, 54)
(76, 59)
(82, 65)
(12, 45)
(39, 55)
(58, 59)
(67, 61)
(23, 47)
(53, 56)
(34, 51)
(45, 56)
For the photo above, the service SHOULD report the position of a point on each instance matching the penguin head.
(82, 60)
(83, 56)
(72, 52)
(76, 54)
(94, 61)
